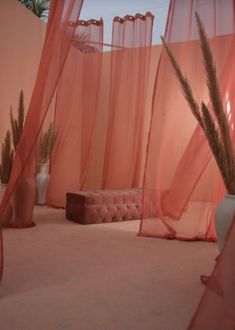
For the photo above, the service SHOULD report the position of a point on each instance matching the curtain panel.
(60, 32)
(75, 112)
(130, 59)
(181, 185)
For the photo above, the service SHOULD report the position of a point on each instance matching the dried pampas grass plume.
(214, 123)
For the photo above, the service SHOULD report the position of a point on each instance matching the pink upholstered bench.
(99, 206)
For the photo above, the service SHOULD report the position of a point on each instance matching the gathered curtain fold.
(130, 59)
(181, 185)
(75, 112)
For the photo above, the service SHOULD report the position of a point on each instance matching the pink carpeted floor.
(62, 275)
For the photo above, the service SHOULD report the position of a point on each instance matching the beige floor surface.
(62, 275)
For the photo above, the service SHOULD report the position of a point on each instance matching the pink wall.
(21, 39)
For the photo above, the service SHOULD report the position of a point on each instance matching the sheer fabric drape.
(216, 309)
(181, 178)
(75, 112)
(60, 32)
(130, 59)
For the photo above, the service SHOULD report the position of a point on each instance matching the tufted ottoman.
(99, 206)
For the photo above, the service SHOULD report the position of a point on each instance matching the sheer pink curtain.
(76, 108)
(60, 32)
(181, 178)
(129, 81)
(216, 309)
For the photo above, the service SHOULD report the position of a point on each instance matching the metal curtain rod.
(105, 44)
(99, 43)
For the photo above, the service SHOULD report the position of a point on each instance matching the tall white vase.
(42, 180)
(223, 218)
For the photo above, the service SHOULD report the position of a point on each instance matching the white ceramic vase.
(42, 180)
(223, 218)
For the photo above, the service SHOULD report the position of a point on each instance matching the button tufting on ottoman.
(106, 205)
